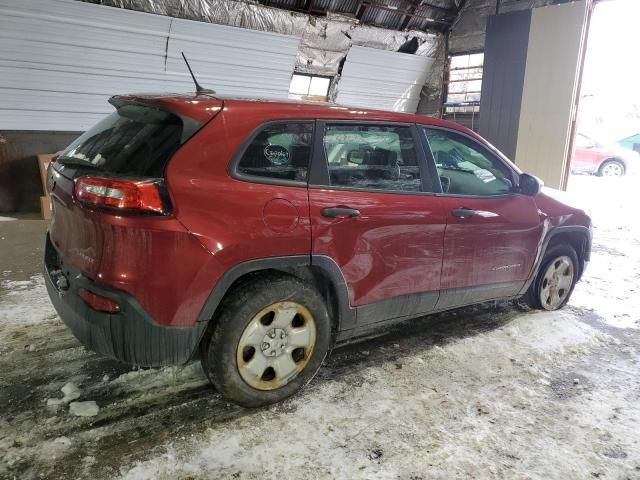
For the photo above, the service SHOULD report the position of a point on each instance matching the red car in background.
(254, 235)
(596, 159)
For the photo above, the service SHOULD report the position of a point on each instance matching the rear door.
(374, 214)
(492, 233)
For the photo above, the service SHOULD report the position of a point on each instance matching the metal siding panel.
(556, 40)
(503, 78)
(233, 61)
(383, 79)
(60, 60)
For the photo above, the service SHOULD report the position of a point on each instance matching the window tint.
(465, 167)
(280, 151)
(372, 157)
(134, 140)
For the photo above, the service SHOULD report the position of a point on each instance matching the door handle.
(464, 212)
(340, 212)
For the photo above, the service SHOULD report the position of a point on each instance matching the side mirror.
(530, 185)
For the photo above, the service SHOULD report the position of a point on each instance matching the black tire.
(611, 162)
(220, 345)
(532, 297)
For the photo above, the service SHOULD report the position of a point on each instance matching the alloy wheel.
(612, 169)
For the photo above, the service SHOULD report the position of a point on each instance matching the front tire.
(555, 280)
(611, 168)
(269, 340)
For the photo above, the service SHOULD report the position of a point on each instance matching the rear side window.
(280, 151)
(135, 140)
(376, 157)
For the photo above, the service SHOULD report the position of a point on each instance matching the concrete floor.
(492, 391)
(21, 247)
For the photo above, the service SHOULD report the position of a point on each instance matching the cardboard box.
(45, 207)
(45, 202)
(43, 163)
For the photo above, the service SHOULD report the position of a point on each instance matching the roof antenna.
(199, 88)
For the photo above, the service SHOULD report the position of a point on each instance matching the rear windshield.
(135, 140)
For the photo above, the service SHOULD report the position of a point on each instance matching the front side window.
(583, 141)
(377, 157)
(280, 151)
(465, 167)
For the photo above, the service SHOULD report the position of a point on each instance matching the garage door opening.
(607, 138)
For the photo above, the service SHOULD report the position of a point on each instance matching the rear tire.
(611, 168)
(269, 340)
(555, 279)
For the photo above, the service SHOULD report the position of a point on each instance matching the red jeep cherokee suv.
(255, 234)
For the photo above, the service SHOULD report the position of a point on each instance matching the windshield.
(135, 140)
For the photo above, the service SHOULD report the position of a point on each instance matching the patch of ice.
(54, 402)
(54, 449)
(84, 409)
(147, 379)
(71, 392)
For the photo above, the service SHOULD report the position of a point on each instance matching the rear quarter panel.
(152, 258)
(228, 215)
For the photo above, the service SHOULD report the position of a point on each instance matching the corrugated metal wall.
(60, 60)
(382, 79)
(505, 58)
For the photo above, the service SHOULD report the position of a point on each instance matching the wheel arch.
(579, 239)
(613, 159)
(578, 236)
(319, 271)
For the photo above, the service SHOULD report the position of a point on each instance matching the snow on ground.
(25, 302)
(481, 404)
(6, 219)
(616, 250)
(490, 391)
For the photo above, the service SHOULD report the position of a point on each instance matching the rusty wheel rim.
(276, 345)
(556, 282)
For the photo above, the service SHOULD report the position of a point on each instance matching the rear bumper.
(131, 335)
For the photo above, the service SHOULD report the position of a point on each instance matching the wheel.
(555, 279)
(611, 168)
(269, 341)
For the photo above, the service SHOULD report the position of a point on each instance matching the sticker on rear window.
(276, 154)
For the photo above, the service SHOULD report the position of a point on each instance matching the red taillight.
(141, 195)
(98, 302)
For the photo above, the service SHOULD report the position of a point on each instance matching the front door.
(492, 234)
(586, 157)
(374, 214)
